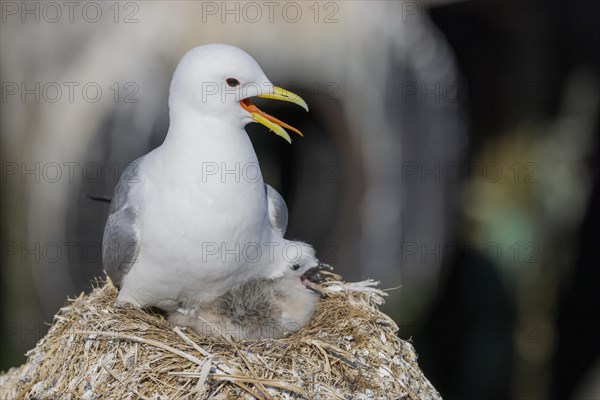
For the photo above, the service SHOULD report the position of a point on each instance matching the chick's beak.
(269, 121)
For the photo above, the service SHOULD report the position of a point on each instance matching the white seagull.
(192, 220)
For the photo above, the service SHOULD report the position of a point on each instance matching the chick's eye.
(232, 82)
(295, 267)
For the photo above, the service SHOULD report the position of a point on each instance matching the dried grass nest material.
(97, 350)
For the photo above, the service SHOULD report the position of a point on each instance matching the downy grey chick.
(260, 308)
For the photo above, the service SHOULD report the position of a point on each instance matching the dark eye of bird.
(295, 267)
(232, 82)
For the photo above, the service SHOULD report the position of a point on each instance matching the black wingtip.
(103, 199)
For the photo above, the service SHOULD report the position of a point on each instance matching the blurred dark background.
(451, 148)
(530, 67)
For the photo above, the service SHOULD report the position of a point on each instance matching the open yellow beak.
(269, 121)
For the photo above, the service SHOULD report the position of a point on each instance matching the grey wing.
(278, 212)
(120, 244)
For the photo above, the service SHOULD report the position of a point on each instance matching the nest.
(96, 349)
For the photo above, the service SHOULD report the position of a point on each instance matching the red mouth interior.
(252, 109)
